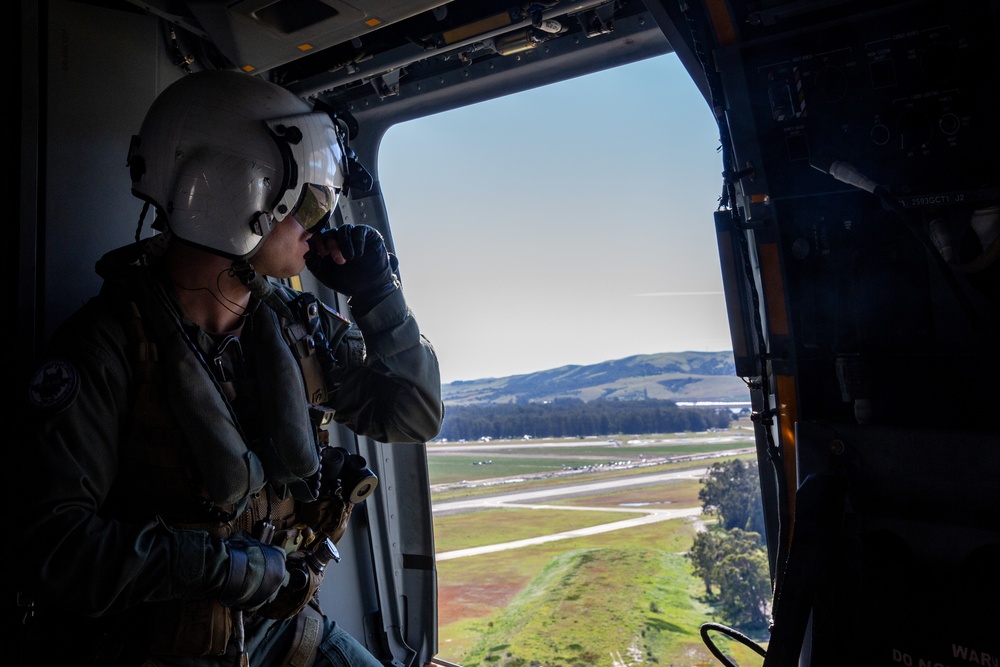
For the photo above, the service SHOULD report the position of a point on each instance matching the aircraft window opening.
(561, 215)
(567, 225)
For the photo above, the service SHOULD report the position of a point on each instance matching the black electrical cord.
(728, 200)
(260, 288)
(733, 634)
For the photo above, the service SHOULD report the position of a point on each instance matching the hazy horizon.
(561, 366)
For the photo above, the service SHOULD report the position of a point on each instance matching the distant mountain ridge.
(676, 376)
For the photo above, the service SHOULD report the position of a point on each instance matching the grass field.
(676, 494)
(614, 599)
(618, 596)
(463, 531)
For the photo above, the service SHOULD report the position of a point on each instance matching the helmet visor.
(315, 173)
(315, 205)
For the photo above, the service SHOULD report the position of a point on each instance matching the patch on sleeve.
(54, 386)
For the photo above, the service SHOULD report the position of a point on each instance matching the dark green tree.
(705, 554)
(744, 587)
(732, 491)
(730, 556)
(573, 417)
(734, 562)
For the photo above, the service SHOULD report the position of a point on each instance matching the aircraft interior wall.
(102, 70)
(880, 298)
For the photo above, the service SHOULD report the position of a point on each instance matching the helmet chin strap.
(260, 287)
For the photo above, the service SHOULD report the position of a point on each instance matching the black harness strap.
(819, 509)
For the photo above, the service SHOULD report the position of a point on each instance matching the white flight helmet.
(224, 155)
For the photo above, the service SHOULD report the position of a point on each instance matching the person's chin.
(288, 271)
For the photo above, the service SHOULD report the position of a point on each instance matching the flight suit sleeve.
(395, 395)
(71, 555)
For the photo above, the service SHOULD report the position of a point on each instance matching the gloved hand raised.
(353, 260)
(255, 573)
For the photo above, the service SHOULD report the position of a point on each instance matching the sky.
(569, 224)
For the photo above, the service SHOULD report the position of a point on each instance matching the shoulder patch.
(54, 386)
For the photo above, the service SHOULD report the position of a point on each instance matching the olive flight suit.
(150, 443)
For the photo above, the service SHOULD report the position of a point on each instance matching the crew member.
(179, 498)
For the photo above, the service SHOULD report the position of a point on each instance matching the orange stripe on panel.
(774, 289)
(722, 22)
(788, 414)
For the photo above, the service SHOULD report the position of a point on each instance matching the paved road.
(565, 490)
(520, 500)
(652, 516)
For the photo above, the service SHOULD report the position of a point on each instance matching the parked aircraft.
(858, 234)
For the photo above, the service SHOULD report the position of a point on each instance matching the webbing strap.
(304, 348)
(146, 352)
(308, 636)
(819, 508)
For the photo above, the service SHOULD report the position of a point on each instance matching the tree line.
(575, 418)
(729, 556)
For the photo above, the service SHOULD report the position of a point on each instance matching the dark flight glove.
(368, 274)
(305, 570)
(256, 572)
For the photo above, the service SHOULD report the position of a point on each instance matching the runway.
(523, 500)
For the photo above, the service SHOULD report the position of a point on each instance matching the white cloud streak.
(681, 294)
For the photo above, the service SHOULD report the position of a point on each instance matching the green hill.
(607, 607)
(675, 376)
